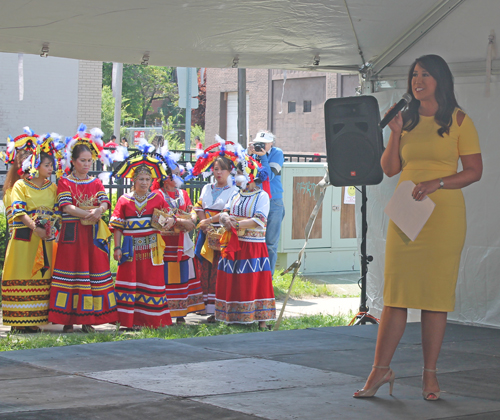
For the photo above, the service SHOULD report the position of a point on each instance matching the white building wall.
(50, 101)
(59, 94)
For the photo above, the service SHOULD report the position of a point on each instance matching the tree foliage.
(142, 85)
(150, 95)
(108, 113)
(198, 115)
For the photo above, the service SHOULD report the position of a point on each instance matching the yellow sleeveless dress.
(423, 274)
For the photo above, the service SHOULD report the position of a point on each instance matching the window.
(291, 106)
(307, 106)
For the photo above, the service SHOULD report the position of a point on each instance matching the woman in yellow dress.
(28, 263)
(425, 144)
(14, 174)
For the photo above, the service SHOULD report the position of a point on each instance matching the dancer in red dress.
(244, 291)
(82, 289)
(140, 287)
(219, 158)
(184, 291)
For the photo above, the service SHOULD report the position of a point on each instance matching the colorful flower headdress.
(171, 163)
(145, 158)
(206, 159)
(50, 144)
(27, 141)
(33, 145)
(252, 171)
(92, 139)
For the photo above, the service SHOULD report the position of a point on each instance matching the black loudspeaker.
(354, 143)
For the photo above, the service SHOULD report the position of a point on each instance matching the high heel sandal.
(429, 396)
(370, 392)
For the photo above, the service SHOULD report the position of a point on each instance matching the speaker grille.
(353, 141)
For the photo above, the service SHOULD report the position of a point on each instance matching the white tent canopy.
(286, 34)
(383, 35)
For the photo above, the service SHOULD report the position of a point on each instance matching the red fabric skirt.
(82, 289)
(184, 292)
(207, 273)
(140, 291)
(244, 291)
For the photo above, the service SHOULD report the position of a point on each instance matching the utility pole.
(117, 78)
(242, 107)
(187, 140)
(187, 80)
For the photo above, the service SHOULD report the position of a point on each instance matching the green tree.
(144, 84)
(108, 114)
(197, 130)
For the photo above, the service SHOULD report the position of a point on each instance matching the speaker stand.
(362, 317)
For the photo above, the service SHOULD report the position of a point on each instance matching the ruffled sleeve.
(102, 197)
(18, 200)
(64, 197)
(117, 220)
(261, 209)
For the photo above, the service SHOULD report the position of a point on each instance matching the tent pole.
(242, 107)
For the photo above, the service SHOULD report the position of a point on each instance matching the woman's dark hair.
(239, 167)
(168, 170)
(44, 156)
(445, 94)
(224, 162)
(77, 151)
(13, 175)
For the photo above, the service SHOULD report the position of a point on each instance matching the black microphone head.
(407, 97)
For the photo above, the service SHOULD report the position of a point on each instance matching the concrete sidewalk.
(301, 374)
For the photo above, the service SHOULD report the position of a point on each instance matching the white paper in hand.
(162, 220)
(408, 214)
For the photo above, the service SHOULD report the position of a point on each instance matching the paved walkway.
(283, 375)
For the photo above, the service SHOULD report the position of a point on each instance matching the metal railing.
(193, 187)
(121, 186)
(186, 156)
(297, 157)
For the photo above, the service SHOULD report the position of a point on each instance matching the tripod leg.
(363, 318)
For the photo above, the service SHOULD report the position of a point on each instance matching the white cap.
(264, 137)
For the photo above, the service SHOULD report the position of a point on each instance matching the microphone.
(394, 111)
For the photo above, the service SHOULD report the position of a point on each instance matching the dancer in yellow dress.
(426, 142)
(28, 263)
(14, 174)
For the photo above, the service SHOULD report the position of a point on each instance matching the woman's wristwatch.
(441, 183)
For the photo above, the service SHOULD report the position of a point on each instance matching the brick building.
(289, 103)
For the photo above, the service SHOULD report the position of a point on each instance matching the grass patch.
(36, 341)
(302, 288)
